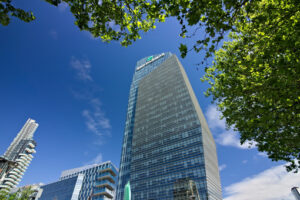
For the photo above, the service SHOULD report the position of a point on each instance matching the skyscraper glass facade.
(92, 182)
(143, 68)
(166, 136)
(19, 152)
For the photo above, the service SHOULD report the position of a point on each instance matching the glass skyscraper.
(166, 138)
(90, 182)
(18, 156)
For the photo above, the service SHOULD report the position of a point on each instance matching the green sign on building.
(127, 191)
(149, 58)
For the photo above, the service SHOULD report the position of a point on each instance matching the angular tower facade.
(20, 154)
(166, 137)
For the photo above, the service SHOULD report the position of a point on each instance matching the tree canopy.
(255, 77)
(124, 20)
(23, 194)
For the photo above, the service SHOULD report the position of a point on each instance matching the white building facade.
(20, 154)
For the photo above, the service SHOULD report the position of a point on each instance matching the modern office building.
(166, 137)
(18, 156)
(91, 182)
(296, 193)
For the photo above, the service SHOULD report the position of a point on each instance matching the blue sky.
(77, 87)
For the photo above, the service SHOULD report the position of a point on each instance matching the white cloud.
(82, 67)
(272, 184)
(53, 34)
(62, 6)
(244, 161)
(213, 118)
(230, 138)
(98, 159)
(263, 154)
(95, 119)
(222, 167)
(223, 137)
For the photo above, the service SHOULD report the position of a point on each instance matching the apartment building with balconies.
(18, 156)
(90, 182)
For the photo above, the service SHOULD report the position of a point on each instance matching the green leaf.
(183, 50)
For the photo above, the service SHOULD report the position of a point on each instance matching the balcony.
(26, 158)
(105, 184)
(14, 173)
(5, 186)
(108, 170)
(9, 183)
(104, 192)
(31, 145)
(30, 156)
(10, 180)
(19, 160)
(22, 164)
(27, 162)
(17, 170)
(21, 174)
(106, 178)
(21, 168)
(13, 176)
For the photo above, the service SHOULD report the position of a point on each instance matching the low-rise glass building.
(63, 190)
(91, 182)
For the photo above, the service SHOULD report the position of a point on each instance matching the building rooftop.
(79, 169)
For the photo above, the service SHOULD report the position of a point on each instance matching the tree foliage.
(7, 10)
(255, 79)
(124, 20)
(23, 194)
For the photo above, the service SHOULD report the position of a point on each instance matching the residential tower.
(18, 156)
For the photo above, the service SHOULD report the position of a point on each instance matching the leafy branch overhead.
(7, 10)
(124, 20)
(255, 79)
